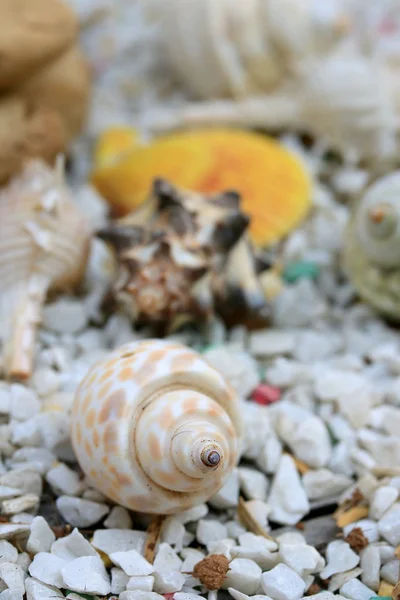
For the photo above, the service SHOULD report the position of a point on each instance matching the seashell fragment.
(155, 427)
(274, 184)
(44, 245)
(181, 253)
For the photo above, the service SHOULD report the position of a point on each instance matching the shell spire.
(44, 245)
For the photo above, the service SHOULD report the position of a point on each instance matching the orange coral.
(275, 186)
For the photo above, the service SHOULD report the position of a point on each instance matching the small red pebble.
(169, 596)
(266, 394)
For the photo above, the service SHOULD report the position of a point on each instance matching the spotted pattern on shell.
(141, 419)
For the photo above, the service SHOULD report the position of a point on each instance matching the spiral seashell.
(155, 427)
(372, 246)
(44, 245)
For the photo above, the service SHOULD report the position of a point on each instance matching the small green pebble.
(298, 270)
(206, 348)
(381, 598)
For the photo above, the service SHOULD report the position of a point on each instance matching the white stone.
(141, 583)
(185, 596)
(118, 540)
(243, 575)
(386, 552)
(191, 557)
(73, 546)
(24, 560)
(9, 492)
(221, 547)
(45, 381)
(238, 367)
(259, 510)
(253, 483)
(367, 526)
(291, 537)
(28, 482)
(282, 583)
(228, 495)
(81, 513)
(166, 559)
(287, 498)
(270, 342)
(65, 315)
(23, 517)
(301, 558)
(384, 449)
(370, 565)
(355, 590)
(235, 529)
(210, 531)
(47, 568)
(339, 557)
(389, 525)
(192, 514)
(336, 581)
(11, 595)
(119, 518)
(382, 500)
(7, 532)
(41, 536)
(140, 595)
(309, 440)
(260, 555)
(64, 480)
(33, 459)
(333, 384)
(17, 505)
(270, 455)
(119, 580)
(390, 572)
(24, 402)
(8, 553)
(12, 575)
(87, 574)
(5, 398)
(132, 563)
(36, 590)
(167, 581)
(258, 542)
(173, 533)
(322, 483)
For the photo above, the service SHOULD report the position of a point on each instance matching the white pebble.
(9, 492)
(132, 563)
(322, 483)
(12, 575)
(239, 368)
(26, 481)
(141, 583)
(382, 500)
(389, 525)
(191, 557)
(336, 581)
(72, 546)
(282, 583)
(270, 455)
(166, 559)
(221, 547)
(367, 526)
(45, 381)
(270, 342)
(36, 590)
(64, 480)
(11, 595)
(287, 498)
(244, 575)
(47, 568)
(228, 495)
(118, 540)
(370, 565)
(119, 580)
(17, 505)
(81, 513)
(87, 574)
(185, 596)
(24, 402)
(168, 581)
(291, 537)
(140, 595)
(253, 483)
(119, 518)
(22, 518)
(192, 514)
(8, 553)
(259, 510)
(355, 590)
(41, 536)
(33, 459)
(210, 531)
(65, 315)
(390, 572)
(301, 558)
(340, 557)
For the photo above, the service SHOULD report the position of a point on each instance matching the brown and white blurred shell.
(44, 246)
(371, 249)
(180, 254)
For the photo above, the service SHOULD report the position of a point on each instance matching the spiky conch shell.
(44, 246)
(155, 427)
(182, 253)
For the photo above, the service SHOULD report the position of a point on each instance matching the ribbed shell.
(138, 415)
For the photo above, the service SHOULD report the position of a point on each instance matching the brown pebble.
(211, 571)
(314, 589)
(356, 539)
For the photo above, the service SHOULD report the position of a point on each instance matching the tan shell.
(44, 245)
(155, 427)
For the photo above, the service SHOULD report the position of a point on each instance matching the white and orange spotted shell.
(155, 427)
